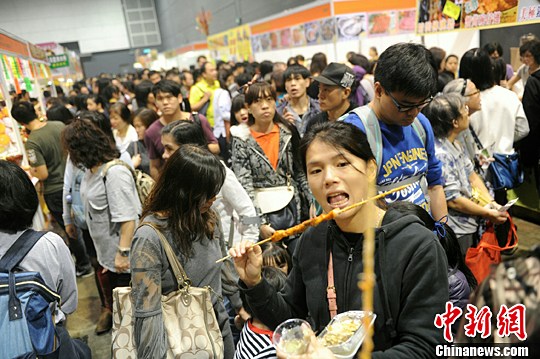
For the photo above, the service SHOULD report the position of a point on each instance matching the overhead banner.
(233, 44)
(436, 16)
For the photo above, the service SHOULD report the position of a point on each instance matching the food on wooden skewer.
(280, 234)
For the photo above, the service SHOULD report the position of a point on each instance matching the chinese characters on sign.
(478, 321)
(57, 61)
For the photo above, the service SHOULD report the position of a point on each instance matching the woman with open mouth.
(410, 263)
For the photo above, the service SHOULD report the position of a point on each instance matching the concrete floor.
(83, 321)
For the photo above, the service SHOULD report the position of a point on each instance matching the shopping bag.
(488, 252)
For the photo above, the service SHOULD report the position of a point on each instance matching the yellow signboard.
(233, 44)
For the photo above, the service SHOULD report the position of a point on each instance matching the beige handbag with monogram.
(190, 321)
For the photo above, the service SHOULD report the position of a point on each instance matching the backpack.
(143, 182)
(77, 205)
(26, 321)
(374, 137)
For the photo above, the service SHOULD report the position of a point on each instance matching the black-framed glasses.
(406, 108)
(472, 93)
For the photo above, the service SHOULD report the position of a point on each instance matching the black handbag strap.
(19, 249)
(476, 139)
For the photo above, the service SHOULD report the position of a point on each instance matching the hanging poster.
(406, 20)
(233, 44)
(528, 10)
(299, 37)
(256, 43)
(328, 30)
(285, 36)
(274, 40)
(313, 32)
(266, 45)
(438, 15)
(381, 23)
(480, 13)
(351, 26)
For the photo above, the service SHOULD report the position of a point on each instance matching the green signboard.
(57, 61)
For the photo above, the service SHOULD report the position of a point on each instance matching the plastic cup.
(292, 336)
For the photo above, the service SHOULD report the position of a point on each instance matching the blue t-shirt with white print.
(404, 156)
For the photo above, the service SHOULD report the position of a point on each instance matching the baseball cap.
(336, 75)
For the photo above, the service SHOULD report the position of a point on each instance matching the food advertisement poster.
(349, 27)
(529, 10)
(298, 35)
(479, 13)
(381, 23)
(328, 30)
(233, 44)
(439, 15)
(313, 32)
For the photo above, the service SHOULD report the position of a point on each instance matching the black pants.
(76, 245)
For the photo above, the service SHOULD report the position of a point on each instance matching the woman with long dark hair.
(265, 156)
(179, 206)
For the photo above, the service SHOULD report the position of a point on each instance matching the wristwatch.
(124, 252)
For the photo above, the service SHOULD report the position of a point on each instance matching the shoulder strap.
(331, 289)
(420, 130)
(19, 249)
(196, 118)
(117, 162)
(178, 270)
(476, 139)
(373, 132)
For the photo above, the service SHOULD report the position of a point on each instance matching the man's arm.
(40, 172)
(438, 202)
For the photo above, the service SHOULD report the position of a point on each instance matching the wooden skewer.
(280, 234)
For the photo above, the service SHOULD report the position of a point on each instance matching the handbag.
(278, 203)
(505, 171)
(480, 258)
(189, 319)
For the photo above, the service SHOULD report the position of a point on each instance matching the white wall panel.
(98, 25)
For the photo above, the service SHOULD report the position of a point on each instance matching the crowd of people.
(240, 150)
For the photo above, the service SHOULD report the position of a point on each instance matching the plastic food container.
(345, 333)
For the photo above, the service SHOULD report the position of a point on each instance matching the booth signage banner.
(37, 53)
(14, 46)
(58, 61)
(474, 14)
(232, 44)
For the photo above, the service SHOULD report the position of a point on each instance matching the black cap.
(336, 75)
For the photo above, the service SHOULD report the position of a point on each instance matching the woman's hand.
(136, 160)
(266, 231)
(248, 262)
(496, 217)
(121, 263)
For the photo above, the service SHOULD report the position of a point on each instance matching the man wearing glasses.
(400, 137)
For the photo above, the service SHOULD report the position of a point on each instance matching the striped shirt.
(255, 343)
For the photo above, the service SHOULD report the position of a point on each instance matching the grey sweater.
(151, 277)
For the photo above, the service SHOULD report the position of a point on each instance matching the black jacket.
(414, 275)
(529, 146)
